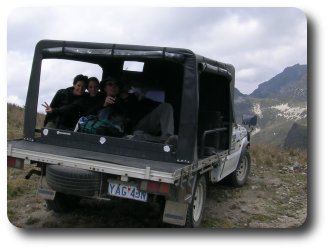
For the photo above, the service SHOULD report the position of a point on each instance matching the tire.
(73, 181)
(196, 207)
(63, 203)
(239, 177)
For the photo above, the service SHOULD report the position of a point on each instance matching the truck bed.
(96, 161)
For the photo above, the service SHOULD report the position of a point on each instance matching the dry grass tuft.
(268, 155)
(15, 121)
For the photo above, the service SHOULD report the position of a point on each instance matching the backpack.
(93, 125)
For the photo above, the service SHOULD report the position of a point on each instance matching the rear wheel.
(197, 205)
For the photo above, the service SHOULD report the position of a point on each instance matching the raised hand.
(48, 109)
(109, 100)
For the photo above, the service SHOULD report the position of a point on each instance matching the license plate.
(127, 191)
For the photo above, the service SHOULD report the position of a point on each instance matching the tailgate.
(96, 161)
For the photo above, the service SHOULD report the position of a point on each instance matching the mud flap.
(175, 213)
(44, 191)
(46, 194)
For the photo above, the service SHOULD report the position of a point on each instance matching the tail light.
(15, 162)
(158, 187)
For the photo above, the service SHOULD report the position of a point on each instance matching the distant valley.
(281, 107)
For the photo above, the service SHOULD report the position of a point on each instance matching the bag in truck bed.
(93, 125)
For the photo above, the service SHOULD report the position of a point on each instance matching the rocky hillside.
(297, 137)
(279, 103)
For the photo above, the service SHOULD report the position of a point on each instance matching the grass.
(268, 155)
(11, 214)
(15, 121)
(32, 220)
(17, 185)
(262, 218)
(218, 223)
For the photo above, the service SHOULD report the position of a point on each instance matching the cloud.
(18, 71)
(259, 42)
(15, 100)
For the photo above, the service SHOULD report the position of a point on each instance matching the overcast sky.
(259, 42)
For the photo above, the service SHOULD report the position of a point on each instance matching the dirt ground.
(274, 197)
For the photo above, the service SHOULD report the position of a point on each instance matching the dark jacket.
(93, 104)
(67, 109)
(135, 109)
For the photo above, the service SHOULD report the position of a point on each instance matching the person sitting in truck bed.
(150, 120)
(94, 100)
(110, 107)
(67, 105)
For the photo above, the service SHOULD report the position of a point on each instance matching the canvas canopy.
(197, 71)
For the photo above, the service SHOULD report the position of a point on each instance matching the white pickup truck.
(210, 145)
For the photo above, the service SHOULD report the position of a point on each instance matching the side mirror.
(249, 120)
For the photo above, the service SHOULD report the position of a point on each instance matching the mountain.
(297, 137)
(291, 83)
(237, 93)
(279, 103)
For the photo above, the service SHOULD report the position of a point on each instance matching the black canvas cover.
(99, 53)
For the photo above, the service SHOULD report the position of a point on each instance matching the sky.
(259, 42)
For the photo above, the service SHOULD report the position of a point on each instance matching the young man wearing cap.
(112, 88)
(66, 106)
